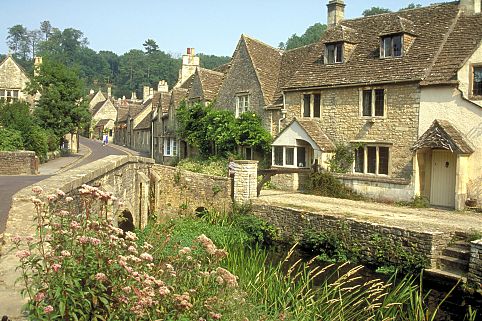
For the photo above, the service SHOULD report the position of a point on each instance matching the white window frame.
(377, 160)
(312, 105)
(170, 146)
(9, 95)
(473, 82)
(337, 46)
(390, 38)
(373, 102)
(295, 157)
(242, 104)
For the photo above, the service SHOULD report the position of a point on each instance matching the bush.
(325, 184)
(216, 166)
(10, 140)
(36, 139)
(259, 230)
(343, 159)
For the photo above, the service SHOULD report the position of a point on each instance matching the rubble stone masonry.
(18, 163)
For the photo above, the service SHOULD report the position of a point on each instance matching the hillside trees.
(311, 35)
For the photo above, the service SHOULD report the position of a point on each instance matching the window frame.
(277, 151)
(391, 38)
(314, 107)
(9, 95)
(245, 98)
(377, 162)
(373, 103)
(338, 49)
(473, 95)
(170, 147)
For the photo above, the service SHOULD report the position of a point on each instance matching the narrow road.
(9, 185)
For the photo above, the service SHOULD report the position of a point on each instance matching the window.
(242, 104)
(290, 156)
(306, 105)
(373, 103)
(477, 81)
(170, 147)
(301, 156)
(391, 46)
(9, 94)
(248, 153)
(372, 160)
(278, 155)
(311, 105)
(334, 53)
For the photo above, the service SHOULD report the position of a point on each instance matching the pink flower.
(127, 289)
(101, 277)
(94, 241)
(164, 290)
(185, 250)
(146, 256)
(39, 296)
(60, 193)
(51, 197)
(16, 239)
(69, 199)
(65, 253)
(64, 213)
(48, 309)
(131, 236)
(215, 316)
(132, 249)
(83, 239)
(56, 266)
(37, 190)
(23, 254)
(74, 225)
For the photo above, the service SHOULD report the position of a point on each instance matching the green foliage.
(374, 11)
(61, 106)
(411, 6)
(325, 184)
(212, 61)
(417, 202)
(259, 230)
(10, 140)
(37, 140)
(218, 132)
(343, 159)
(216, 166)
(311, 35)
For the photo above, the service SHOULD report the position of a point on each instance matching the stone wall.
(341, 120)
(18, 163)
(179, 191)
(293, 223)
(245, 181)
(475, 264)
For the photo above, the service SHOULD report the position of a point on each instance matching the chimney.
(91, 92)
(189, 64)
(163, 87)
(36, 65)
(145, 93)
(336, 12)
(133, 96)
(470, 6)
(151, 92)
(109, 91)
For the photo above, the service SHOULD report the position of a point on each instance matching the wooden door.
(442, 191)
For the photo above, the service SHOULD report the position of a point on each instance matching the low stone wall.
(180, 191)
(474, 276)
(379, 188)
(18, 163)
(293, 223)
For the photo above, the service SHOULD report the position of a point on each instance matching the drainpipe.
(283, 113)
(152, 138)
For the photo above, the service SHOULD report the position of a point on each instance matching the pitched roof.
(97, 107)
(131, 110)
(290, 62)
(211, 82)
(9, 57)
(314, 130)
(459, 46)
(187, 83)
(341, 33)
(102, 122)
(145, 123)
(430, 24)
(223, 68)
(442, 134)
(266, 62)
(164, 102)
(178, 95)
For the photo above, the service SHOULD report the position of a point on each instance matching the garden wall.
(294, 223)
(180, 191)
(18, 163)
(475, 264)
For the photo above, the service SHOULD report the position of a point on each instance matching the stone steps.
(444, 276)
(453, 264)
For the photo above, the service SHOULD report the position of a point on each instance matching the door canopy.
(443, 135)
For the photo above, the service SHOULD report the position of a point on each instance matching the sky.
(209, 26)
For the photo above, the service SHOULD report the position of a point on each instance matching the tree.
(411, 6)
(17, 37)
(212, 61)
(46, 28)
(34, 36)
(61, 106)
(150, 46)
(311, 35)
(375, 10)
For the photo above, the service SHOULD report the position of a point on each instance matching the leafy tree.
(46, 28)
(375, 10)
(311, 35)
(10, 139)
(212, 61)
(150, 46)
(17, 36)
(252, 133)
(35, 37)
(61, 106)
(411, 6)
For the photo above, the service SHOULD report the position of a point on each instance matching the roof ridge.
(211, 71)
(260, 42)
(442, 45)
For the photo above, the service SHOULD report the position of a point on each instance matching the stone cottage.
(13, 80)
(393, 87)
(104, 115)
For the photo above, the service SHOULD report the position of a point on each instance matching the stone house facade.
(368, 83)
(104, 115)
(13, 80)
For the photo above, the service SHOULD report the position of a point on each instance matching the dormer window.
(391, 46)
(334, 53)
(477, 81)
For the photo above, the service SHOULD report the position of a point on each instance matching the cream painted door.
(442, 191)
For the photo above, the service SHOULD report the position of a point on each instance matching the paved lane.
(98, 150)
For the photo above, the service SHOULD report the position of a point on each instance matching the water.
(454, 307)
